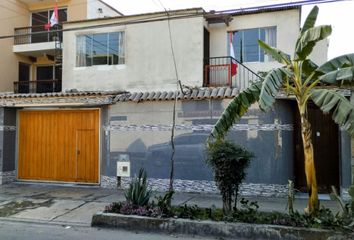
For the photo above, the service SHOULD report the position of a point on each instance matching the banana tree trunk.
(313, 204)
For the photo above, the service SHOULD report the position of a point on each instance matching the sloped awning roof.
(71, 98)
(97, 98)
(191, 94)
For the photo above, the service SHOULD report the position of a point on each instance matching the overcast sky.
(339, 14)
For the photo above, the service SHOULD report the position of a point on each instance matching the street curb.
(210, 228)
(43, 222)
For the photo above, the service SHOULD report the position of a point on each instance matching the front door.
(45, 79)
(326, 150)
(23, 77)
(86, 155)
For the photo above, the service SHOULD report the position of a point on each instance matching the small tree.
(228, 162)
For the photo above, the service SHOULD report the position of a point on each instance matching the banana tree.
(303, 79)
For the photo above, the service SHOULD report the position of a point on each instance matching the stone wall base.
(7, 177)
(200, 186)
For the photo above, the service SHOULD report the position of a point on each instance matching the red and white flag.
(54, 19)
(232, 54)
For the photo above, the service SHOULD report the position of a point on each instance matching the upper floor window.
(42, 17)
(245, 43)
(39, 19)
(100, 49)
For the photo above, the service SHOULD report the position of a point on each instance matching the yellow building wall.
(77, 9)
(14, 14)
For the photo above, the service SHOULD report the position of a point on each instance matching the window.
(100, 49)
(39, 19)
(245, 43)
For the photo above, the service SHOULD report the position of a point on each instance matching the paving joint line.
(69, 211)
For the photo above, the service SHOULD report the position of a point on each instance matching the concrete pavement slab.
(83, 214)
(114, 197)
(57, 209)
(78, 203)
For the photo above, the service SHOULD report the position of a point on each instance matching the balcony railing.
(38, 86)
(227, 71)
(37, 34)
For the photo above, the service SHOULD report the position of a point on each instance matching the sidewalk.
(75, 205)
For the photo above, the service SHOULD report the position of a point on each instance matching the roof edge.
(166, 13)
(111, 7)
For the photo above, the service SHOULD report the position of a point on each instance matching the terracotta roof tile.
(151, 96)
(194, 94)
(163, 96)
(59, 94)
(156, 96)
(221, 93)
(144, 96)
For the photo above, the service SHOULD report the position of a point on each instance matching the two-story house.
(33, 56)
(31, 53)
(119, 84)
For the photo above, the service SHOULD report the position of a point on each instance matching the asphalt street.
(33, 231)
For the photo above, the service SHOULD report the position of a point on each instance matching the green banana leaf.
(340, 107)
(338, 69)
(309, 67)
(235, 110)
(272, 82)
(278, 55)
(310, 20)
(308, 40)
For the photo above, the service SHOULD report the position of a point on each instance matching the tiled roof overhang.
(105, 98)
(192, 94)
(73, 98)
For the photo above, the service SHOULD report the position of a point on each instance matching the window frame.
(49, 11)
(265, 57)
(91, 34)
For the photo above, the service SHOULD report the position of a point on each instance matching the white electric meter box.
(123, 169)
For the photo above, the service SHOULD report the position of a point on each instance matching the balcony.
(36, 40)
(38, 86)
(227, 71)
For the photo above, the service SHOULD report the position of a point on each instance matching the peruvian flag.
(232, 54)
(54, 19)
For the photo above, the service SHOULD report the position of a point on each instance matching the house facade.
(113, 112)
(35, 53)
(32, 56)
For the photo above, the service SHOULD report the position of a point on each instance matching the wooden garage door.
(59, 145)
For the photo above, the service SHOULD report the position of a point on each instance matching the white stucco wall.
(287, 24)
(320, 52)
(94, 5)
(148, 64)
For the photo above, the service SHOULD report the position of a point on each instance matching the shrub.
(228, 162)
(164, 203)
(138, 193)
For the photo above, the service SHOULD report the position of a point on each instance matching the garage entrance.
(59, 145)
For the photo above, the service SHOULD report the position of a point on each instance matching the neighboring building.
(33, 62)
(118, 87)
